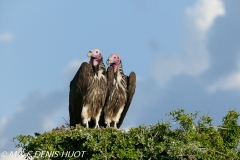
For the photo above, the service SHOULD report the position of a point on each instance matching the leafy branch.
(192, 140)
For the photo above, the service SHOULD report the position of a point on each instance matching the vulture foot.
(108, 125)
(97, 126)
(87, 126)
(115, 125)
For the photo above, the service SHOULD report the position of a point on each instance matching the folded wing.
(78, 88)
(131, 85)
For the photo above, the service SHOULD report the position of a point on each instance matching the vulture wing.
(78, 88)
(110, 79)
(131, 85)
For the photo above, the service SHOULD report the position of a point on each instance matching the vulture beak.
(89, 54)
(111, 61)
(108, 62)
(93, 55)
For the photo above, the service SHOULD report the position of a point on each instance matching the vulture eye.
(96, 51)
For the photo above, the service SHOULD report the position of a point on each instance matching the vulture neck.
(115, 67)
(118, 68)
(119, 77)
(99, 68)
(95, 64)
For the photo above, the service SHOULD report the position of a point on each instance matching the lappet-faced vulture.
(88, 91)
(121, 89)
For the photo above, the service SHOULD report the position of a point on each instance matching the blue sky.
(185, 54)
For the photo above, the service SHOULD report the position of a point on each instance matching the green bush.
(193, 139)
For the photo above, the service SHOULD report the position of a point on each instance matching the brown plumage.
(121, 89)
(88, 91)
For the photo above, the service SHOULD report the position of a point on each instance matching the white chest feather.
(100, 75)
(120, 83)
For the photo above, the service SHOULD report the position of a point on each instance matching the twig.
(67, 124)
(192, 156)
(215, 151)
(154, 135)
(213, 127)
(220, 127)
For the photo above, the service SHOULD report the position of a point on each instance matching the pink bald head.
(114, 60)
(95, 55)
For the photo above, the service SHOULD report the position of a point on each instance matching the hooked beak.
(89, 54)
(111, 61)
(108, 62)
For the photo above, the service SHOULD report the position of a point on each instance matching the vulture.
(121, 89)
(88, 91)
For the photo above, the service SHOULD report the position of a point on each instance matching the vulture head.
(95, 55)
(114, 60)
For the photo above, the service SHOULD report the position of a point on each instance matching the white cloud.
(204, 13)
(194, 60)
(226, 83)
(3, 123)
(6, 37)
(140, 78)
(37, 110)
(48, 124)
(72, 68)
(4, 142)
(127, 128)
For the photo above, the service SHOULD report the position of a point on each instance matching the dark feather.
(83, 87)
(131, 85)
(120, 94)
(78, 88)
(110, 78)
